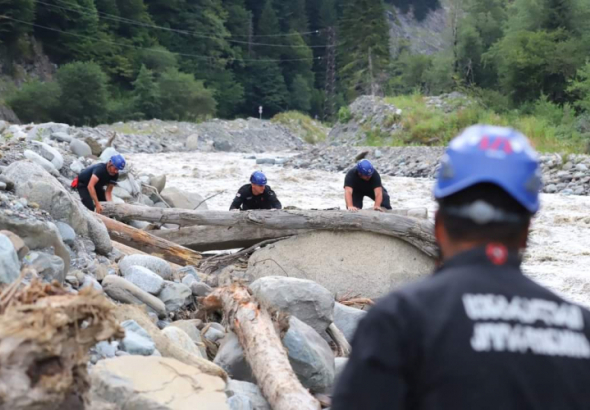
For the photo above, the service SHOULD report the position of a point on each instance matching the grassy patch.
(302, 125)
(423, 124)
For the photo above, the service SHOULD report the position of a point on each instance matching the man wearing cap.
(361, 181)
(256, 195)
(95, 184)
(478, 334)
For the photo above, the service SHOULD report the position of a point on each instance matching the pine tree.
(23, 10)
(266, 87)
(268, 25)
(146, 94)
(364, 50)
(300, 94)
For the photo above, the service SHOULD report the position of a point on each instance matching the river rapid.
(559, 249)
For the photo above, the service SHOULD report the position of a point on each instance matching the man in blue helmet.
(256, 195)
(361, 181)
(478, 334)
(95, 184)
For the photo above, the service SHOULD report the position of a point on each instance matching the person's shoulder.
(351, 171)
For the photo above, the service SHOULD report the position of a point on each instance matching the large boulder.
(35, 184)
(181, 339)
(310, 356)
(136, 341)
(361, 263)
(136, 382)
(80, 148)
(347, 318)
(184, 200)
(230, 357)
(38, 159)
(304, 299)
(145, 279)
(9, 264)
(158, 182)
(175, 295)
(43, 131)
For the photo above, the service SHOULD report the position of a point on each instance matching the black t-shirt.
(359, 185)
(478, 334)
(246, 200)
(100, 170)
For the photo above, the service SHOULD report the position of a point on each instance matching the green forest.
(121, 60)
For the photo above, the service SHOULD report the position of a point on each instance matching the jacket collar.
(491, 255)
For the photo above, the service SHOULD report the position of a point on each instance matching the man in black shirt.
(361, 181)
(96, 183)
(478, 334)
(256, 195)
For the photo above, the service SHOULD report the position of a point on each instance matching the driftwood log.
(417, 232)
(148, 243)
(210, 238)
(262, 348)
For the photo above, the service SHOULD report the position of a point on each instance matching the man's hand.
(378, 208)
(352, 209)
(98, 208)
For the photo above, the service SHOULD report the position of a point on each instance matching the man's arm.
(237, 202)
(109, 193)
(348, 199)
(378, 199)
(375, 375)
(92, 191)
(274, 201)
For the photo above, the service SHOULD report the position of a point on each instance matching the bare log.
(417, 232)
(262, 348)
(146, 242)
(217, 238)
(338, 337)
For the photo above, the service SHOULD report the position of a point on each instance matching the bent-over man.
(361, 181)
(95, 184)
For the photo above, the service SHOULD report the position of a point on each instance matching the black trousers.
(87, 199)
(357, 199)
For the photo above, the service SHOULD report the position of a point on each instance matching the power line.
(119, 19)
(208, 58)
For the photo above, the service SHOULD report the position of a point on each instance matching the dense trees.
(190, 59)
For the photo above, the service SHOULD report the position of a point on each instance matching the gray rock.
(567, 192)
(339, 365)
(230, 357)
(269, 161)
(377, 154)
(179, 337)
(239, 402)
(200, 289)
(2, 186)
(91, 282)
(106, 349)
(249, 390)
(581, 167)
(67, 233)
(224, 146)
(188, 280)
(144, 279)
(122, 193)
(9, 263)
(551, 189)
(175, 296)
(49, 267)
(61, 137)
(310, 356)
(38, 159)
(98, 233)
(139, 224)
(129, 184)
(189, 270)
(347, 319)
(76, 166)
(80, 148)
(51, 154)
(184, 200)
(302, 298)
(158, 182)
(192, 142)
(137, 341)
(156, 265)
(42, 131)
(107, 154)
(95, 147)
(124, 291)
(17, 242)
(191, 329)
(213, 334)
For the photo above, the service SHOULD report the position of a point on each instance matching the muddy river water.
(559, 251)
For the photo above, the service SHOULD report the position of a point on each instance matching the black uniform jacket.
(246, 200)
(477, 335)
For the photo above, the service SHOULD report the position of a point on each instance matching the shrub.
(35, 101)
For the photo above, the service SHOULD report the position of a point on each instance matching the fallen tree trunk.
(146, 242)
(217, 238)
(417, 232)
(262, 348)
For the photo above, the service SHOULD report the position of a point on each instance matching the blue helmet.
(489, 154)
(118, 161)
(365, 168)
(258, 178)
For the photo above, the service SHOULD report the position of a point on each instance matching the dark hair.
(464, 229)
